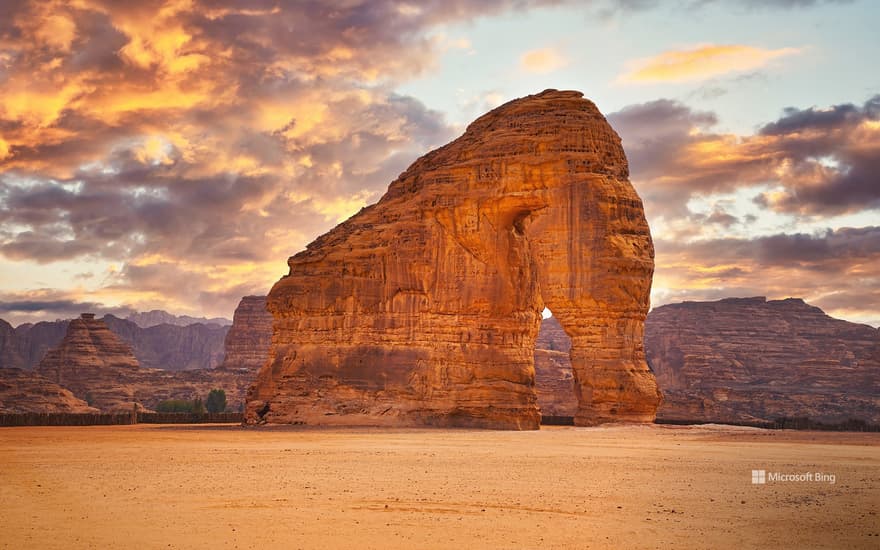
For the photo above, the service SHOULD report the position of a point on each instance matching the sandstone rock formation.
(753, 360)
(93, 363)
(99, 367)
(25, 391)
(423, 308)
(247, 342)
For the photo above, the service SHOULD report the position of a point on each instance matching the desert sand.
(560, 487)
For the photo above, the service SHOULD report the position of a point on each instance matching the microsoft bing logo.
(759, 477)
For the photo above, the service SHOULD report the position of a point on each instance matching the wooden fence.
(65, 419)
(190, 418)
(108, 419)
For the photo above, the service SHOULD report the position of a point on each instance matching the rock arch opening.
(554, 378)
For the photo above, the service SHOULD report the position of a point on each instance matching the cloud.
(818, 162)
(700, 63)
(540, 61)
(42, 304)
(199, 144)
(807, 166)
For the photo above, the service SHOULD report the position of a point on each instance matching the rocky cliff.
(753, 360)
(423, 308)
(100, 368)
(247, 342)
(172, 347)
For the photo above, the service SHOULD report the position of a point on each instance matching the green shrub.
(216, 402)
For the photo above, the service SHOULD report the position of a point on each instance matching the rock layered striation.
(93, 363)
(423, 309)
(247, 342)
(752, 360)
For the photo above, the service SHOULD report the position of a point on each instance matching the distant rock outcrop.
(168, 347)
(753, 360)
(93, 363)
(247, 342)
(27, 392)
(158, 317)
(423, 308)
(100, 368)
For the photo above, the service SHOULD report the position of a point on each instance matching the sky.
(172, 154)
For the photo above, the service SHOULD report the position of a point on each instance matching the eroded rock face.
(753, 360)
(423, 309)
(173, 347)
(247, 343)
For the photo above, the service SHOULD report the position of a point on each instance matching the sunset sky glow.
(171, 154)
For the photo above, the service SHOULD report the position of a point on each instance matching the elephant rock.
(423, 308)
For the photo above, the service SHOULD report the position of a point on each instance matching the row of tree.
(215, 403)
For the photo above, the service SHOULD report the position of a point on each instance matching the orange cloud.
(544, 60)
(700, 63)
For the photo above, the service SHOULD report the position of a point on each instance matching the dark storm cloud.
(822, 161)
(50, 304)
(834, 155)
(832, 252)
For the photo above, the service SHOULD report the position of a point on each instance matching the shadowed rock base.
(423, 309)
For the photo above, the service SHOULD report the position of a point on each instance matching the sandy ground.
(617, 487)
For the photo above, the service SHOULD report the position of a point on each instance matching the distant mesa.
(754, 360)
(423, 309)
